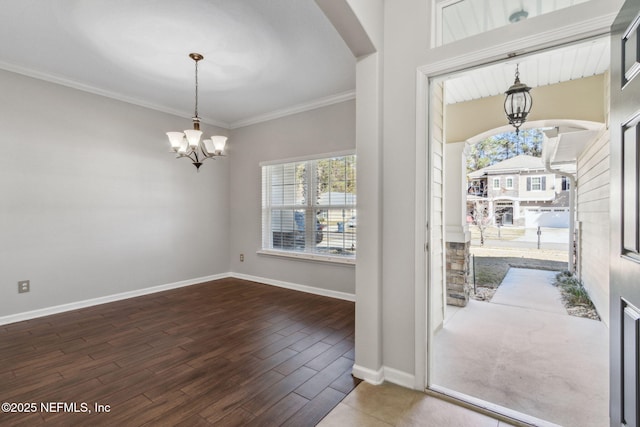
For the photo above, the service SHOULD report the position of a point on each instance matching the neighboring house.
(519, 191)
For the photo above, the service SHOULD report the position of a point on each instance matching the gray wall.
(324, 130)
(92, 203)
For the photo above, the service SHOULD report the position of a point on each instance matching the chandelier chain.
(196, 111)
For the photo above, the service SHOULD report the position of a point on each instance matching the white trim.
(300, 108)
(296, 287)
(422, 232)
(28, 315)
(562, 35)
(308, 158)
(52, 78)
(308, 256)
(400, 378)
(106, 299)
(387, 374)
(368, 375)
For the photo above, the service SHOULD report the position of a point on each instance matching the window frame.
(310, 205)
(493, 183)
(506, 183)
(543, 184)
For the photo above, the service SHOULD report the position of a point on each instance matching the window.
(458, 19)
(536, 183)
(496, 183)
(565, 183)
(509, 183)
(309, 208)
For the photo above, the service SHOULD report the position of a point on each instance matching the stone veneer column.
(457, 236)
(458, 286)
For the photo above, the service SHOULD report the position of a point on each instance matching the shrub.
(573, 289)
(563, 277)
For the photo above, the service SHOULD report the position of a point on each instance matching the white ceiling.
(569, 63)
(263, 58)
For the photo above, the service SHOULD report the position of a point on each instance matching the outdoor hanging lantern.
(518, 102)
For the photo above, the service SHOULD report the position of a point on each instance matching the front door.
(625, 207)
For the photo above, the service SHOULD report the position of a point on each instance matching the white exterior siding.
(436, 246)
(593, 215)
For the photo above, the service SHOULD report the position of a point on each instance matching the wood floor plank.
(281, 411)
(324, 378)
(329, 356)
(297, 361)
(314, 411)
(226, 352)
(235, 394)
(264, 400)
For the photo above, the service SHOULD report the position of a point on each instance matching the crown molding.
(52, 78)
(300, 108)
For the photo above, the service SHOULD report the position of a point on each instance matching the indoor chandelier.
(188, 144)
(518, 102)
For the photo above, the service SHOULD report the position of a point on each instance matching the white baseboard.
(400, 378)
(296, 287)
(383, 374)
(368, 375)
(27, 315)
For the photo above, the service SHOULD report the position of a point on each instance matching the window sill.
(308, 257)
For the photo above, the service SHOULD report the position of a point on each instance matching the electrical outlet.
(23, 286)
(241, 257)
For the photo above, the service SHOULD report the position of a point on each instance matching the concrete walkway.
(523, 352)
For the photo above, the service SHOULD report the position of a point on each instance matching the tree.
(481, 217)
(337, 175)
(503, 146)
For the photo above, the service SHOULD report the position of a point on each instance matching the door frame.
(551, 39)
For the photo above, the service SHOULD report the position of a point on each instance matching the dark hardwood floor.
(224, 353)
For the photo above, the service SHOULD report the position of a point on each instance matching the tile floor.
(522, 351)
(392, 405)
(539, 360)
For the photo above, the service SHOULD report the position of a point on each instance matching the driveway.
(523, 352)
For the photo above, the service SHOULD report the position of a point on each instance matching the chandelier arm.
(188, 156)
(207, 155)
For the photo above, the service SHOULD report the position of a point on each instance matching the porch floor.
(523, 352)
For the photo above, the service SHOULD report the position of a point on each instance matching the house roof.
(521, 163)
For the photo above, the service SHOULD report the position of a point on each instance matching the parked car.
(285, 238)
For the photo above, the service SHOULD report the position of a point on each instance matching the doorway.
(500, 339)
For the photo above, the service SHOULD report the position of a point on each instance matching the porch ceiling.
(559, 65)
